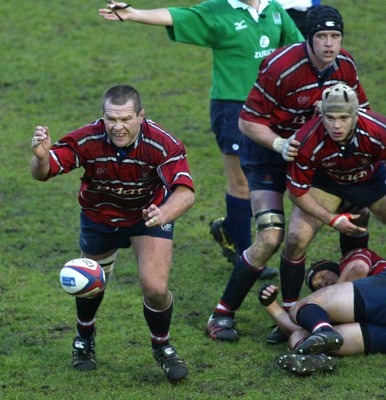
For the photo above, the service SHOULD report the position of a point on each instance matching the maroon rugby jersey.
(352, 163)
(118, 183)
(287, 87)
(376, 263)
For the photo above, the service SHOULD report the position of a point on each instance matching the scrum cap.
(317, 267)
(340, 98)
(322, 18)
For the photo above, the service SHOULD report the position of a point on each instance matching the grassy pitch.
(57, 58)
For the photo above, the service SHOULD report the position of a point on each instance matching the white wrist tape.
(278, 144)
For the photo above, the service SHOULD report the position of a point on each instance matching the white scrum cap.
(340, 98)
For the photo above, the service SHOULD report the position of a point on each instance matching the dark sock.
(313, 318)
(86, 310)
(159, 324)
(291, 278)
(348, 243)
(238, 222)
(240, 283)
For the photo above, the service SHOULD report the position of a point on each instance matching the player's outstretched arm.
(40, 145)
(267, 297)
(115, 11)
(340, 222)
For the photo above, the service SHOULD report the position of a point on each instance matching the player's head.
(340, 103)
(340, 98)
(322, 18)
(122, 114)
(321, 274)
(120, 95)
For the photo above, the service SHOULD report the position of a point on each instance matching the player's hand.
(41, 142)
(115, 11)
(317, 108)
(287, 147)
(267, 294)
(153, 216)
(342, 223)
(290, 148)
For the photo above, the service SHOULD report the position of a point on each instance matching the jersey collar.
(327, 72)
(254, 13)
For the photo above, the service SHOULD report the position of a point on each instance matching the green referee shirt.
(239, 40)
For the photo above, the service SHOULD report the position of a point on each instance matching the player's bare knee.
(295, 245)
(294, 310)
(269, 242)
(157, 300)
(155, 292)
(357, 270)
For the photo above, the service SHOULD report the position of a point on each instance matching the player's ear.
(141, 114)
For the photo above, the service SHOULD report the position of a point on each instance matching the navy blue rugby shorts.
(265, 169)
(99, 238)
(369, 310)
(372, 303)
(224, 119)
(360, 194)
(374, 338)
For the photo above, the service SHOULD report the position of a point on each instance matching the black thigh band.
(359, 306)
(366, 337)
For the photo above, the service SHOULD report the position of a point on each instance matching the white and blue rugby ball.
(82, 277)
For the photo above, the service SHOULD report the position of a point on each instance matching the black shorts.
(369, 311)
(374, 338)
(265, 169)
(99, 238)
(224, 117)
(371, 306)
(360, 194)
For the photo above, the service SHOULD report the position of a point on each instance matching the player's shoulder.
(345, 55)
(284, 56)
(95, 128)
(372, 115)
(154, 130)
(220, 5)
(311, 131)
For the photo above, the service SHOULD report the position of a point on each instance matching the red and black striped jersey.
(287, 87)
(119, 182)
(375, 262)
(345, 164)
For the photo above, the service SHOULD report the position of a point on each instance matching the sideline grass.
(57, 59)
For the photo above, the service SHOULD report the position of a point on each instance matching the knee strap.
(269, 219)
(107, 264)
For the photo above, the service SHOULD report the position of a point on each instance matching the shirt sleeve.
(173, 167)
(262, 99)
(193, 25)
(63, 157)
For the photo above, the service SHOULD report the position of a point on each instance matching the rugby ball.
(82, 277)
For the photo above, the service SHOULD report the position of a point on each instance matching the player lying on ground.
(354, 308)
